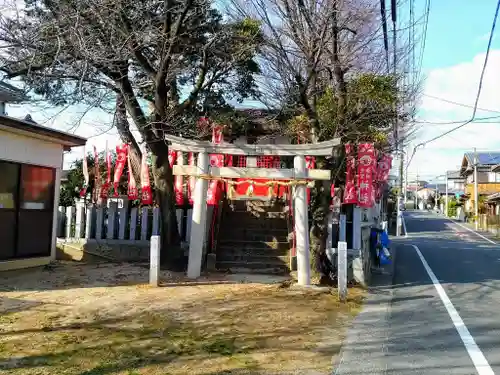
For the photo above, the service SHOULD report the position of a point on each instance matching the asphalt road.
(443, 314)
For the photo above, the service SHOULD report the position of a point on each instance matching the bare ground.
(103, 319)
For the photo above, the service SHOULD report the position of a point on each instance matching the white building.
(31, 159)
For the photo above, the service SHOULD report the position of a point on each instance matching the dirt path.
(103, 319)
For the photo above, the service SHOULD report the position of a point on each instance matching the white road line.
(473, 231)
(476, 355)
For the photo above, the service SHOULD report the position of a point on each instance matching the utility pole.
(406, 181)
(476, 197)
(446, 196)
(397, 135)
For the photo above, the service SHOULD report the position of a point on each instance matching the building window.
(9, 180)
(37, 187)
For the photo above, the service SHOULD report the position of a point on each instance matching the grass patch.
(188, 329)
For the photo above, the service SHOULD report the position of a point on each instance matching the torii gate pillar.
(301, 224)
(199, 219)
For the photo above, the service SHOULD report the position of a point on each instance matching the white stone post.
(199, 219)
(154, 261)
(80, 219)
(89, 222)
(301, 224)
(69, 221)
(342, 270)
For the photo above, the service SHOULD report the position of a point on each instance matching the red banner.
(310, 164)
(384, 166)
(366, 164)
(350, 193)
(107, 183)
(83, 191)
(214, 188)
(121, 159)
(179, 182)
(172, 157)
(382, 174)
(132, 192)
(97, 176)
(146, 193)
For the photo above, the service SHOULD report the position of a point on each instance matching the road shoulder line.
(476, 355)
(473, 231)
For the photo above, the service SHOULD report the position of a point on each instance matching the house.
(488, 179)
(426, 193)
(9, 94)
(31, 159)
(455, 182)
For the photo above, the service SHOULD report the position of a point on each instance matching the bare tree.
(321, 60)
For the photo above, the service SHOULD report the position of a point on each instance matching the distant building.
(456, 182)
(9, 94)
(488, 179)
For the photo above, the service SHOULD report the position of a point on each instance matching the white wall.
(22, 149)
(28, 150)
(493, 177)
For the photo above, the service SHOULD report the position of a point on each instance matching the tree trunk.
(126, 136)
(162, 173)
(320, 206)
(171, 252)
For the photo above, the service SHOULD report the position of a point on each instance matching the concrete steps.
(253, 237)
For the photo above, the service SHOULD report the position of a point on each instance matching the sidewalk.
(365, 345)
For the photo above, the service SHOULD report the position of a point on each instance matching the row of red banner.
(372, 174)
(122, 158)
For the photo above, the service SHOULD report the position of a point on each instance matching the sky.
(457, 38)
(455, 45)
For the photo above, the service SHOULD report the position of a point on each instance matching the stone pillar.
(301, 224)
(80, 219)
(69, 221)
(154, 261)
(90, 222)
(199, 219)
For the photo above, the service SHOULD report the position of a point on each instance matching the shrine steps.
(253, 237)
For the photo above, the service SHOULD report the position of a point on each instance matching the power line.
(459, 104)
(478, 95)
(479, 120)
(422, 48)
